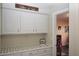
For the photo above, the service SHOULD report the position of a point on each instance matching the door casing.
(54, 30)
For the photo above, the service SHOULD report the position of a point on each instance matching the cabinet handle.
(18, 30)
(36, 30)
(33, 30)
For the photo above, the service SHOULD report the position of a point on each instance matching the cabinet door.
(26, 22)
(41, 23)
(9, 21)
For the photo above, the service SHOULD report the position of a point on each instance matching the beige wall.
(21, 41)
(74, 29)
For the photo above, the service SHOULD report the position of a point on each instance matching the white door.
(41, 23)
(26, 22)
(9, 21)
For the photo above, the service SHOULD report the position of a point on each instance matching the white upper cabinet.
(34, 23)
(41, 23)
(14, 22)
(27, 22)
(10, 21)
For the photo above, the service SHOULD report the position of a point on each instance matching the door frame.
(54, 30)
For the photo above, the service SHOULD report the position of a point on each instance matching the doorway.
(62, 36)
